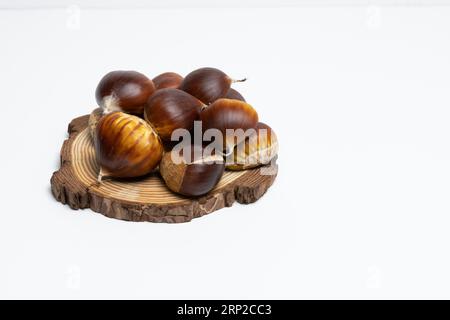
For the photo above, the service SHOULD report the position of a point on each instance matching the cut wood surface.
(146, 198)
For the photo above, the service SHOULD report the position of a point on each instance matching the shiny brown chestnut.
(126, 146)
(232, 114)
(126, 91)
(194, 175)
(171, 109)
(234, 94)
(167, 80)
(207, 84)
(258, 149)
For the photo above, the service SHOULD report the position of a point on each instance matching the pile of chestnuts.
(140, 121)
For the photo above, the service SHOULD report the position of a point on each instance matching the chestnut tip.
(238, 80)
(110, 104)
(102, 175)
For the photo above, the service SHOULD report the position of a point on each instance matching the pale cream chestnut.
(258, 149)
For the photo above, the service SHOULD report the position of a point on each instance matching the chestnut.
(207, 84)
(225, 114)
(170, 109)
(126, 91)
(126, 146)
(234, 94)
(258, 149)
(167, 80)
(191, 175)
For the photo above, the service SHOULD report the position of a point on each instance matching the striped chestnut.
(258, 149)
(126, 91)
(229, 115)
(171, 109)
(126, 146)
(191, 173)
(207, 84)
(234, 94)
(167, 80)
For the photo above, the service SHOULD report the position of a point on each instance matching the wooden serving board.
(146, 198)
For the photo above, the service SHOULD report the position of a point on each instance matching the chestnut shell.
(171, 109)
(228, 114)
(234, 94)
(254, 151)
(206, 84)
(191, 178)
(126, 146)
(126, 91)
(167, 80)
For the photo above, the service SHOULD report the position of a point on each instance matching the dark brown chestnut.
(194, 175)
(171, 109)
(126, 91)
(234, 94)
(126, 146)
(167, 80)
(258, 149)
(207, 84)
(232, 114)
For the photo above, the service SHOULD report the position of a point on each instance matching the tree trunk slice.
(146, 198)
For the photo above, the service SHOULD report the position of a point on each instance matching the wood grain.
(146, 198)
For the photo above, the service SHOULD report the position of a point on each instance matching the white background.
(359, 97)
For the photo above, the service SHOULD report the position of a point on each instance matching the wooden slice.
(146, 198)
